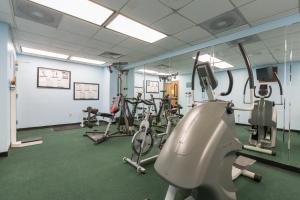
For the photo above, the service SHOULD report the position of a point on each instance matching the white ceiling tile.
(74, 25)
(275, 41)
(145, 11)
(121, 50)
(65, 45)
(193, 34)
(110, 36)
(153, 50)
(91, 51)
(96, 44)
(262, 59)
(5, 17)
(202, 10)
(273, 33)
(5, 6)
(176, 4)
(255, 47)
(172, 24)
(239, 3)
(31, 37)
(112, 4)
(170, 43)
(260, 9)
(70, 37)
(33, 27)
(133, 44)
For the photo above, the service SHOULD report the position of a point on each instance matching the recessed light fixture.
(85, 60)
(134, 29)
(27, 50)
(83, 9)
(208, 58)
(223, 65)
(214, 61)
(147, 71)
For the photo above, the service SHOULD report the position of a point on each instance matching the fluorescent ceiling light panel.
(85, 60)
(147, 71)
(223, 65)
(208, 58)
(214, 61)
(43, 53)
(134, 29)
(83, 9)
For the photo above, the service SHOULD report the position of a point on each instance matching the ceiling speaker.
(224, 22)
(37, 13)
(111, 55)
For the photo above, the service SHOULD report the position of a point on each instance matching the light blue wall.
(42, 106)
(7, 56)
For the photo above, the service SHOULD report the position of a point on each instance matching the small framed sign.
(53, 78)
(86, 91)
(152, 86)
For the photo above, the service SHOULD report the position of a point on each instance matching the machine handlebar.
(230, 84)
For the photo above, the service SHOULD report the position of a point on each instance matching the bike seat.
(107, 115)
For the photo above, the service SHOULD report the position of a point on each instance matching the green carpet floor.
(68, 166)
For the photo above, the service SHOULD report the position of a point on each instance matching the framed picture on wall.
(152, 86)
(86, 91)
(53, 78)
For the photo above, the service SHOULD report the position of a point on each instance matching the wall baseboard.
(49, 126)
(4, 154)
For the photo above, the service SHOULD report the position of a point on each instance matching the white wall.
(43, 107)
(7, 57)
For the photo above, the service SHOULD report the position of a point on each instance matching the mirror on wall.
(276, 51)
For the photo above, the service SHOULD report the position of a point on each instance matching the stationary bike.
(145, 138)
(263, 118)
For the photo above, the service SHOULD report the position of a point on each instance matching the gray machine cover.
(200, 152)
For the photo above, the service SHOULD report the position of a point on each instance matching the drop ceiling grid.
(234, 3)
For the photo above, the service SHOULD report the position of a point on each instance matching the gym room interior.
(149, 99)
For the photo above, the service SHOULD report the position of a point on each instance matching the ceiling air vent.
(224, 22)
(111, 55)
(37, 13)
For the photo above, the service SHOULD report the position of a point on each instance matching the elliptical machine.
(200, 152)
(263, 118)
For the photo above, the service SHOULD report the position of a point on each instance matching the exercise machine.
(199, 153)
(91, 120)
(144, 139)
(263, 118)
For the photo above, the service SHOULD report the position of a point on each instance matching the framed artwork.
(152, 86)
(86, 91)
(53, 78)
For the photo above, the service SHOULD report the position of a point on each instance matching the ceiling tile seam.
(270, 52)
(177, 8)
(243, 3)
(176, 12)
